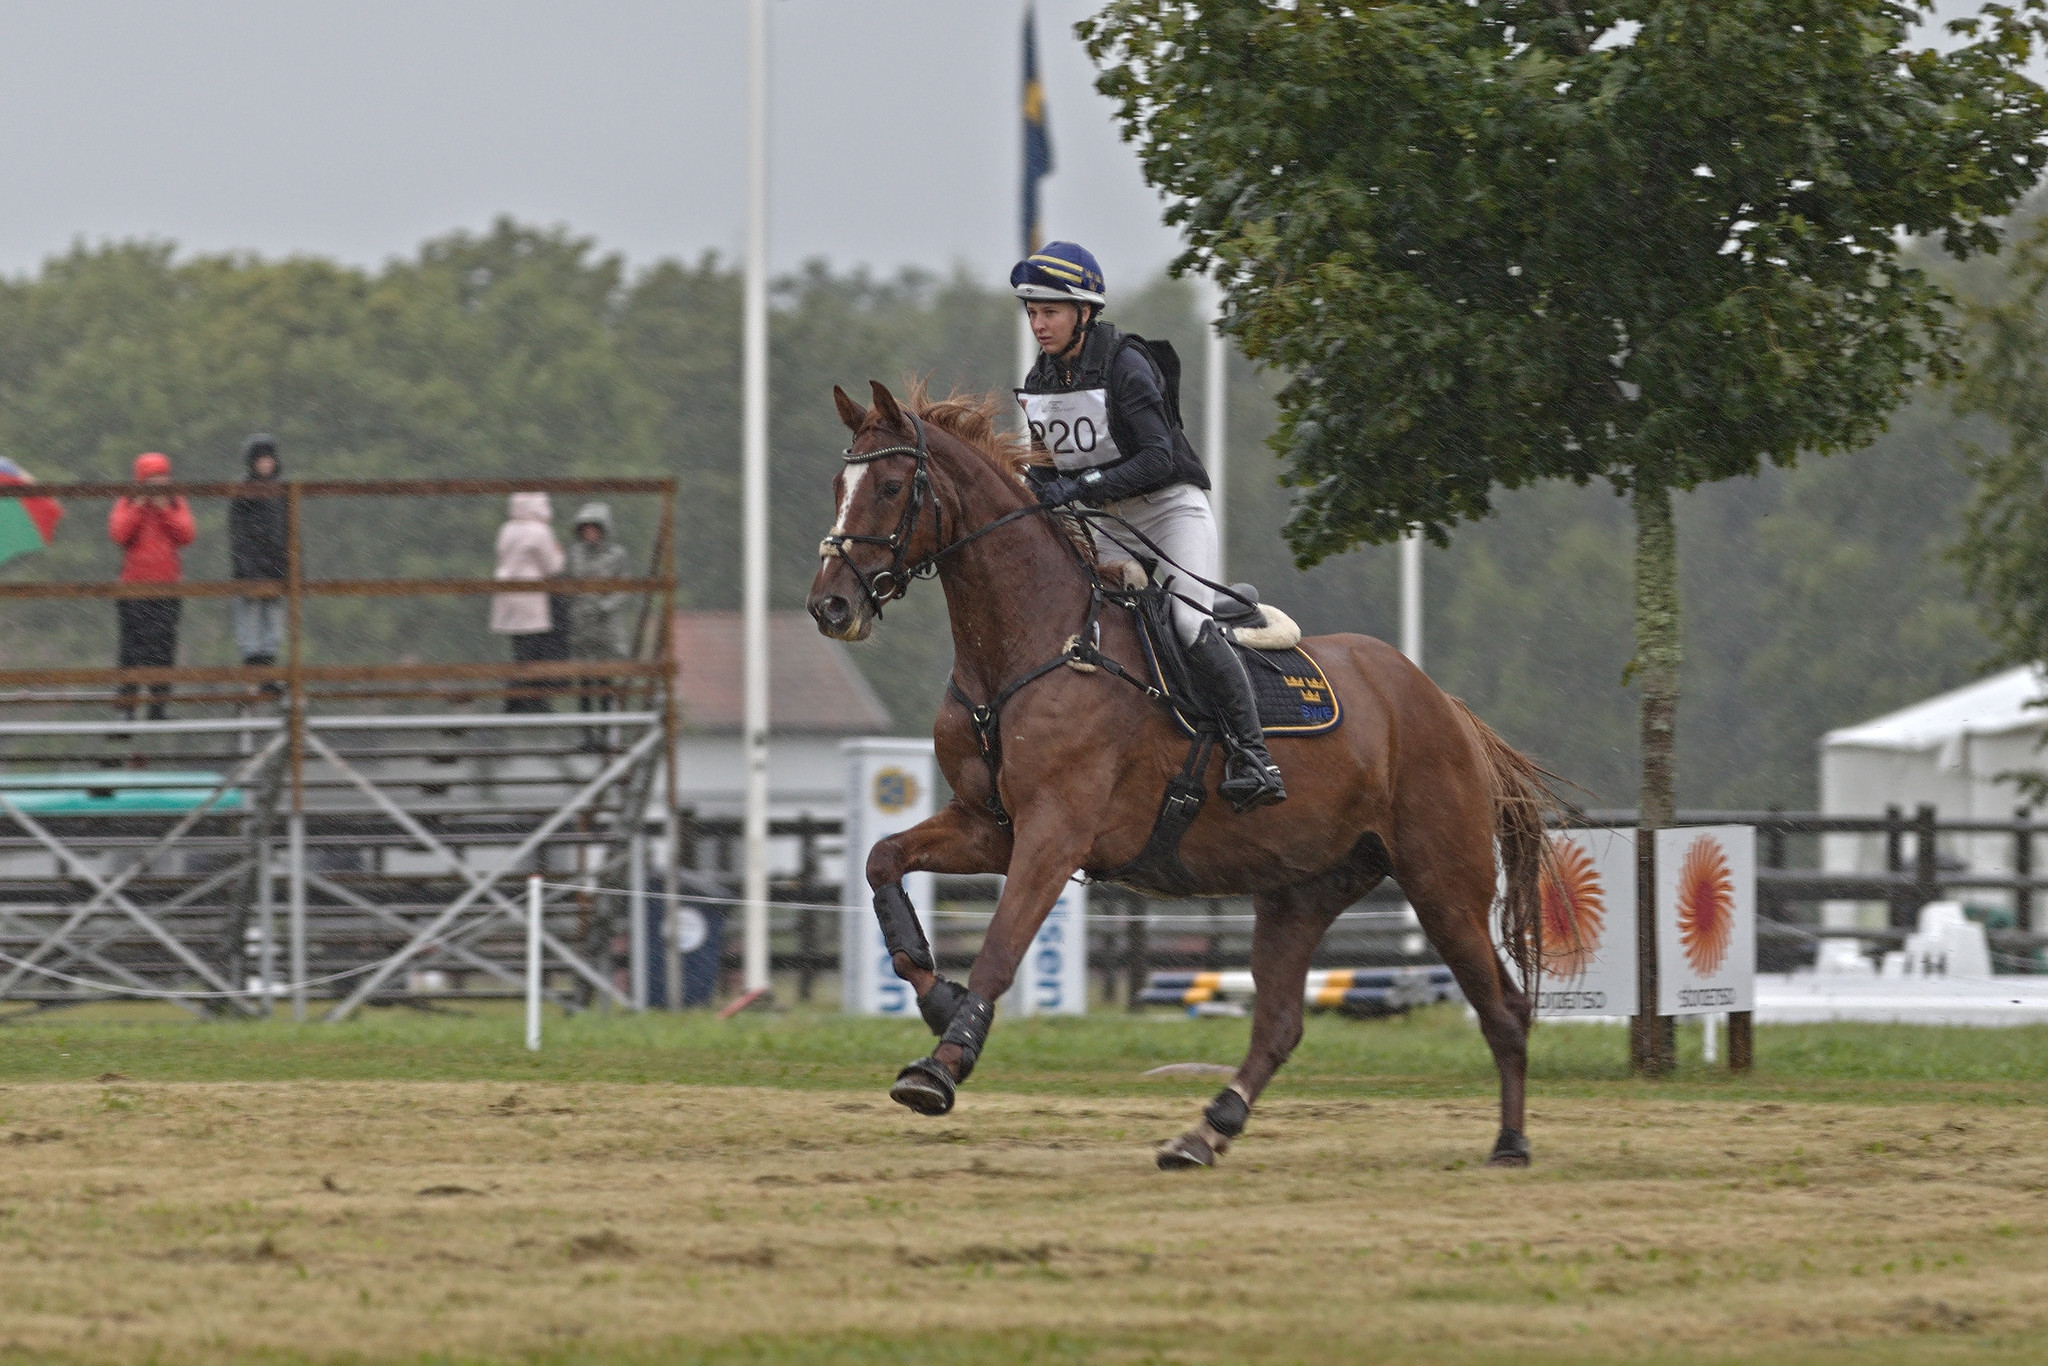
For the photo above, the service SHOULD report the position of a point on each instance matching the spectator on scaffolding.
(258, 549)
(527, 552)
(597, 621)
(151, 529)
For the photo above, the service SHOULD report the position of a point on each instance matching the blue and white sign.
(888, 790)
(1053, 979)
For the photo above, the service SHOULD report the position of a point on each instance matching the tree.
(2004, 546)
(1653, 242)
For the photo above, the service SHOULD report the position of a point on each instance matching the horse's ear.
(886, 408)
(852, 414)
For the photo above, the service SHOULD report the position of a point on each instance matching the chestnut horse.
(1410, 784)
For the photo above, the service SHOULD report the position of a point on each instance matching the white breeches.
(1178, 520)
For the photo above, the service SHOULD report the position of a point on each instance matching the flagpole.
(1036, 164)
(754, 513)
(1027, 346)
(1411, 597)
(1215, 428)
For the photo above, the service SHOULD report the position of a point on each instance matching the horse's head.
(887, 522)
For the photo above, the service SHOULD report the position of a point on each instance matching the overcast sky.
(356, 129)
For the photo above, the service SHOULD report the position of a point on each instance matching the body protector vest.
(1075, 416)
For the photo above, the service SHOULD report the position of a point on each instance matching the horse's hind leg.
(1288, 926)
(1455, 909)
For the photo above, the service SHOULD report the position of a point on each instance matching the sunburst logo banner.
(1588, 924)
(1706, 919)
(1706, 905)
(1574, 911)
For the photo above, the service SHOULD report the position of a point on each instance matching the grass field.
(419, 1188)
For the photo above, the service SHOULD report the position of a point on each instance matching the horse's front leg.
(956, 840)
(1039, 870)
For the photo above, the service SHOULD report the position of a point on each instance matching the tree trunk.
(1659, 650)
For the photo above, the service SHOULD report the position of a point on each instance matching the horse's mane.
(974, 418)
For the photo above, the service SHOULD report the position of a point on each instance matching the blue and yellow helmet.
(1059, 272)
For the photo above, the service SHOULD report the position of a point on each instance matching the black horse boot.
(1250, 777)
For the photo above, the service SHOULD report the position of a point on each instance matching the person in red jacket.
(151, 530)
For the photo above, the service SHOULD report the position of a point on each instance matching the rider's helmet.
(1059, 272)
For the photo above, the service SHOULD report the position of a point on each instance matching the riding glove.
(1062, 489)
(1059, 490)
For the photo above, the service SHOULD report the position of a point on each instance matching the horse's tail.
(1522, 800)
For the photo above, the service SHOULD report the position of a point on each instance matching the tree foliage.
(1642, 241)
(1812, 596)
(2004, 547)
(514, 351)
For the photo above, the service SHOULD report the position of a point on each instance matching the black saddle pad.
(1294, 696)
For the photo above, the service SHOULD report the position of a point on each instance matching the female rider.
(1096, 402)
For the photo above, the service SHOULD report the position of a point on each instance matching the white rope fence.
(1193, 918)
(536, 911)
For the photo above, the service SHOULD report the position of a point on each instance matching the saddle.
(1294, 698)
(1293, 695)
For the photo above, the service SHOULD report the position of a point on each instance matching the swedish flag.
(1037, 140)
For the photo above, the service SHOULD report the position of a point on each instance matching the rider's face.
(1053, 325)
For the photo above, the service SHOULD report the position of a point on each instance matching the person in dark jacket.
(259, 549)
(1096, 401)
(597, 621)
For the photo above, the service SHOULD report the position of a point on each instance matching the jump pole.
(533, 898)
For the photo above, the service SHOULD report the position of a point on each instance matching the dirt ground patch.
(387, 1221)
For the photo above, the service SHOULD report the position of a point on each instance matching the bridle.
(1083, 649)
(887, 585)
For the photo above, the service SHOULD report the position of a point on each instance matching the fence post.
(2022, 869)
(806, 893)
(1134, 951)
(1742, 1023)
(533, 974)
(1894, 860)
(1926, 875)
(1774, 858)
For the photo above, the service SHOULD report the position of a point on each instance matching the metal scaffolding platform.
(317, 844)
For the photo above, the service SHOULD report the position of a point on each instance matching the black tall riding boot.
(1250, 777)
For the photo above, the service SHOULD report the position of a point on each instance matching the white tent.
(1954, 752)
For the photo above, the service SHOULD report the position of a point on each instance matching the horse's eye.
(891, 487)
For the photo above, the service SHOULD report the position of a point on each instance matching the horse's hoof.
(1511, 1149)
(925, 1086)
(1179, 1154)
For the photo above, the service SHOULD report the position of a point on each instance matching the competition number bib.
(1073, 427)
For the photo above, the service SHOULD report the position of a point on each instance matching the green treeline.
(1813, 597)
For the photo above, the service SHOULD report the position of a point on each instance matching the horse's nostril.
(833, 611)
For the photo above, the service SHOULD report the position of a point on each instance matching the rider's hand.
(1059, 490)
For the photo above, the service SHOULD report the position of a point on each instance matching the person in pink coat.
(152, 530)
(527, 551)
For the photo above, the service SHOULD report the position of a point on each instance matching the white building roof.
(1996, 705)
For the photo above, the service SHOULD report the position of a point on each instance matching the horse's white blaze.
(853, 475)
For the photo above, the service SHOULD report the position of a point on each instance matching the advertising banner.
(888, 790)
(1054, 977)
(1706, 919)
(1589, 925)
